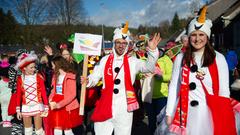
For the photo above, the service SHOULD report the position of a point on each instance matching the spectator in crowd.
(232, 61)
(185, 42)
(5, 93)
(161, 78)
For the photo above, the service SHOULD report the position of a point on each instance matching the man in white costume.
(114, 110)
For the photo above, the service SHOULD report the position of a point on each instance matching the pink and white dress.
(32, 106)
(31, 92)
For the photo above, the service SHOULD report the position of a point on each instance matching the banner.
(89, 44)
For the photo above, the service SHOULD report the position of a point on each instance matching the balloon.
(71, 38)
(78, 57)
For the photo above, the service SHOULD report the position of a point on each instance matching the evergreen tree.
(141, 29)
(12, 28)
(9, 32)
(2, 16)
(176, 25)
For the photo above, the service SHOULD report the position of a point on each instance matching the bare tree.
(194, 6)
(165, 27)
(66, 12)
(31, 11)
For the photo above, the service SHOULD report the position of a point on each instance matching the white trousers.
(4, 102)
(120, 124)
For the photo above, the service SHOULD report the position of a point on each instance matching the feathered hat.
(122, 33)
(142, 40)
(19, 52)
(25, 59)
(201, 23)
(4, 64)
(61, 46)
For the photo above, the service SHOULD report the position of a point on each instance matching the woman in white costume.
(187, 109)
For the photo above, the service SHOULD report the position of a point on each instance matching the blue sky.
(96, 5)
(150, 12)
(145, 12)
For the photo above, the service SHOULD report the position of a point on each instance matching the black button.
(117, 81)
(194, 68)
(194, 103)
(192, 86)
(115, 91)
(140, 43)
(117, 69)
(146, 55)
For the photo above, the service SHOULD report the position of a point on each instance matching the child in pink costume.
(64, 114)
(5, 93)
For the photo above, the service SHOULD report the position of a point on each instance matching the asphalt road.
(138, 129)
(5, 131)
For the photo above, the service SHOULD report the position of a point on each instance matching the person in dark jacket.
(232, 61)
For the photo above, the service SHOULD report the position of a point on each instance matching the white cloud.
(152, 14)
